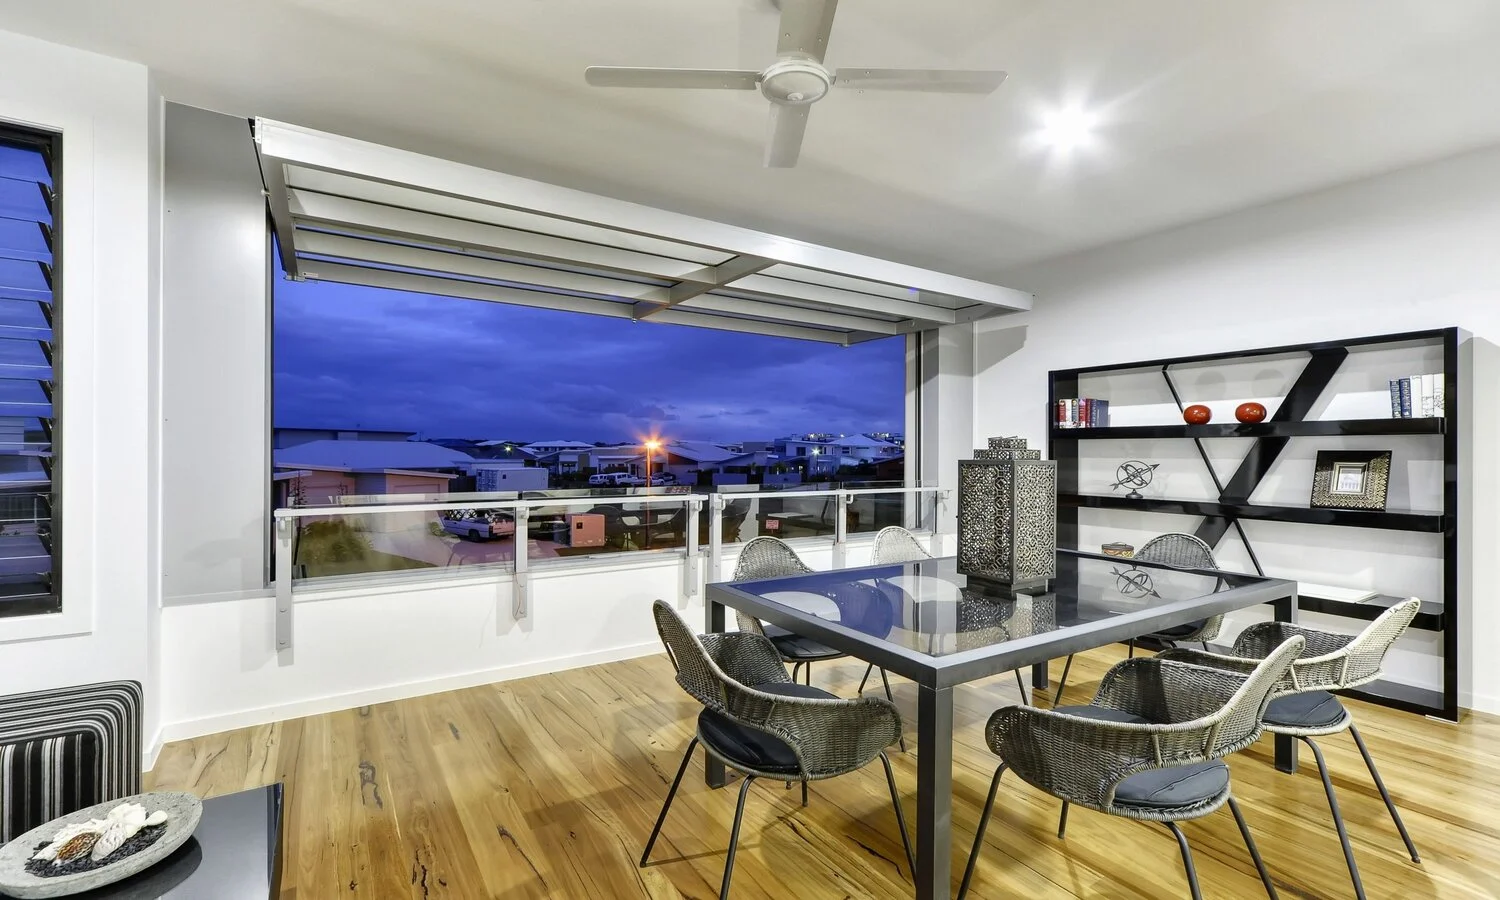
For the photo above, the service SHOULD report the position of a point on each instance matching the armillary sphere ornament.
(1135, 583)
(1135, 475)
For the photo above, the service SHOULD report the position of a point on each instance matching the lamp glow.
(1068, 128)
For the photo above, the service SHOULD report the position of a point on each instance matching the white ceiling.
(1205, 107)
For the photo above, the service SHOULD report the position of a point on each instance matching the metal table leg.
(934, 792)
(1286, 745)
(713, 770)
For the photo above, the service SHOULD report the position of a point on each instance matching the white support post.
(715, 537)
(521, 582)
(690, 562)
(841, 531)
(286, 530)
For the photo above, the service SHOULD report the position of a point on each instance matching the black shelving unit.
(1221, 515)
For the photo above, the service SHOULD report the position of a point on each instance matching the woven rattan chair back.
(895, 544)
(1181, 550)
(1333, 662)
(765, 557)
(829, 736)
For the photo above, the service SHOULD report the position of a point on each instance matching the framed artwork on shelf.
(1351, 479)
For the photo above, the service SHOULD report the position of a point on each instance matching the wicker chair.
(1183, 551)
(1304, 708)
(895, 545)
(759, 722)
(1150, 746)
(769, 557)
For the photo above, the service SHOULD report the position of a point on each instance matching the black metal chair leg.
(1131, 645)
(1062, 821)
(984, 819)
(1062, 682)
(1260, 866)
(892, 697)
(796, 670)
(890, 779)
(734, 837)
(1021, 686)
(1205, 647)
(1187, 861)
(651, 841)
(807, 675)
(804, 793)
(1384, 794)
(868, 669)
(1338, 819)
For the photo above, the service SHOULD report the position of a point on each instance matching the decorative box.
(1124, 551)
(1007, 443)
(1007, 516)
(1007, 454)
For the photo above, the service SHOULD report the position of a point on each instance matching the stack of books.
(1081, 412)
(1418, 397)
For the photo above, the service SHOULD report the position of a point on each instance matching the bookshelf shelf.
(1323, 428)
(1221, 515)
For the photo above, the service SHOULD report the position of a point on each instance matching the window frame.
(50, 143)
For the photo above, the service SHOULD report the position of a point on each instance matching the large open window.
(29, 321)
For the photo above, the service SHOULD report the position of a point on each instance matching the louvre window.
(28, 376)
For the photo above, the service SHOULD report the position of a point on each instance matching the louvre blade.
(934, 81)
(805, 27)
(641, 77)
(784, 145)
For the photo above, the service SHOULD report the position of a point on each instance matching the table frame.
(937, 676)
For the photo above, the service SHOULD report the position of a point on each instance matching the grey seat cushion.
(797, 648)
(1314, 709)
(1177, 787)
(1177, 632)
(750, 748)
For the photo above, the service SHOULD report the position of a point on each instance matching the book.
(1423, 406)
(1417, 397)
(1440, 395)
(1406, 398)
(1395, 399)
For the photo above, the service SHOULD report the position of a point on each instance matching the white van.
(610, 479)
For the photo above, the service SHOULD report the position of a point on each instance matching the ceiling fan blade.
(639, 77)
(784, 144)
(805, 26)
(934, 81)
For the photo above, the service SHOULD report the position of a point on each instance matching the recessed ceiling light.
(1068, 128)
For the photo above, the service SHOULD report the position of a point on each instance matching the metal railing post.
(690, 562)
(841, 530)
(715, 537)
(286, 530)
(522, 581)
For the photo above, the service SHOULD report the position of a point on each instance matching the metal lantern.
(1007, 514)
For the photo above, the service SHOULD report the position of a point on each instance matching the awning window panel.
(359, 213)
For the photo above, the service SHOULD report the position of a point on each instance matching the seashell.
(64, 834)
(75, 847)
(115, 834)
(157, 818)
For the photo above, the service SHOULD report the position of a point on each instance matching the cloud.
(446, 367)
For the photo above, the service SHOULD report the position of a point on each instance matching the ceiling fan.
(798, 78)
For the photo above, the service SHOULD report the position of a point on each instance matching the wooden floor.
(547, 787)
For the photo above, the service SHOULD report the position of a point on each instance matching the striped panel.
(106, 715)
(46, 778)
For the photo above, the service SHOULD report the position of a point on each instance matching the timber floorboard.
(547, 787)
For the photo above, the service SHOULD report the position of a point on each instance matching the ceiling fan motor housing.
(795, 82)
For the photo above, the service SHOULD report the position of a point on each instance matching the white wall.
(368, 645)
(1410, 250)
(103, 107)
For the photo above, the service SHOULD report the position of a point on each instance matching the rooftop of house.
(358, 455)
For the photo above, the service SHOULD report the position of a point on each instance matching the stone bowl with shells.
(91, 837)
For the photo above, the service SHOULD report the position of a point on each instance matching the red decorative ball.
(1250, 413)
(1197, 414)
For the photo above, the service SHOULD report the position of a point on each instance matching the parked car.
(479, 527)
(631, 481)
(611, 479)
(660, 478)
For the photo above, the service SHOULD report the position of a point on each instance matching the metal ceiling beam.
(339, 185)
(462, 234)
(736, 306)
(319, 150)
(473, 290)
(278, 197)
(443, 262)
(703, 281)
(765, 286)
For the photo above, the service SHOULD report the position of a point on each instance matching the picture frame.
(1351, 479)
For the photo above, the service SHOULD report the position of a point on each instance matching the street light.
(651, 447)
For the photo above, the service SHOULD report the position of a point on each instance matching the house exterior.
(323, 471)
(507, 476)
(546, 448)
(284, 437)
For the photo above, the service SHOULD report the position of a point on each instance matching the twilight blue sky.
(361, 357)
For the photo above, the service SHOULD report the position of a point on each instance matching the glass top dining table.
(927, 622)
